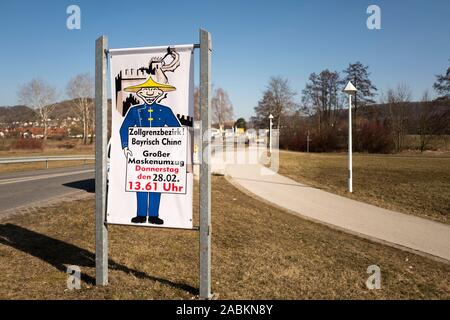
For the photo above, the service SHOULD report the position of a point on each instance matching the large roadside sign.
(151, 176)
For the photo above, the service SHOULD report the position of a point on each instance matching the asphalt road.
(22, 189)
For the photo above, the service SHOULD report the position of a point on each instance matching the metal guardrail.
(46, 159)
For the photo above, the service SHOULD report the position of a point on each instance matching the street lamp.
(308, 140)
(270, 133)
(350, 89)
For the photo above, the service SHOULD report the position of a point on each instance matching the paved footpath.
(401, 230)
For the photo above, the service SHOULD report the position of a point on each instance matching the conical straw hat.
(150, 84)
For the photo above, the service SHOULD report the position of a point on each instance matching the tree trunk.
(92, 129)
(85, 129)
(44, 139)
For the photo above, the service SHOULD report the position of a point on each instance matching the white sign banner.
(150, 174)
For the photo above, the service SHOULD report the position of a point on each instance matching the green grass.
(418, 185)
(259, 252)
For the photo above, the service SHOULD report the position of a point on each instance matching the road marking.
(44, 176)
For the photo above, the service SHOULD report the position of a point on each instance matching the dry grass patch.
(52, 149)
(259, 252)
(418, 185)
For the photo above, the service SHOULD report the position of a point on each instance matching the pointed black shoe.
(139, 219)
(155, 220)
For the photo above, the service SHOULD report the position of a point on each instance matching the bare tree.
(322, 97)
(430, 121)
(221, 107)
(397, 100)
(278, 100)
(40, 97)
(81, 90)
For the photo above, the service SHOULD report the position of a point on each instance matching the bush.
(5, 144)
(66, 145)
(27, 144)
(57, 137)
(294, 140)
(373, 137)
(330, 139)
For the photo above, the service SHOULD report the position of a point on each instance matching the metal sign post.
(101, 107)
(205, 167)
(101, 131)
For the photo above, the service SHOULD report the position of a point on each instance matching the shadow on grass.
(87, 185)
(61, 254)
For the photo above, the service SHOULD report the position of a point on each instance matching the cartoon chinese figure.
(148, 114)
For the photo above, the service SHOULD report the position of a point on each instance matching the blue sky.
(252, 40)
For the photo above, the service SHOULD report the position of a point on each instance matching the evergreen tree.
(442, 85)
(358, 74)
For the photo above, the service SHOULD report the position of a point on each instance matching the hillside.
(64, 109)
(9, 114)
(16, 113)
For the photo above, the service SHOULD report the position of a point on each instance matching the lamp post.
(350, 89)
(308, 140)
(270, 133)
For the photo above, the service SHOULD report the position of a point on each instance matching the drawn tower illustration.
(124, 100)
(127, 77)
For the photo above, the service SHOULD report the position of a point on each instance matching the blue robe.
(145, 115)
